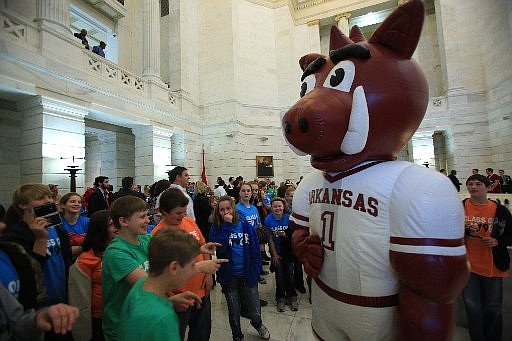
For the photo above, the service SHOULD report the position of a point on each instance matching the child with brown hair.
(239, 277)
(147, 313)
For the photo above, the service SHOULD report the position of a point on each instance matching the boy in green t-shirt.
(125, 260)
(147, 313)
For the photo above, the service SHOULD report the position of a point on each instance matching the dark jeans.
(97, 329)
(298, 274)
(483, 298)
(199, 321)
(51, 336)
(285, 286)
(235, 293)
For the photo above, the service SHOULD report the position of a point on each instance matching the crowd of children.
(114, 271)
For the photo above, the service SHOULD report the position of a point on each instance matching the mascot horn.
(382, 239)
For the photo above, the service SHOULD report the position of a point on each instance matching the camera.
(50, 213)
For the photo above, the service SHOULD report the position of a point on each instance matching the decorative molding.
(437, 101)
(341, 16)
(111, 8)
(53, 107)
(244, 105)
(162, 133)
(172, 98)
(301, 4)
(273, 4)
(12, 28)
(304, 11)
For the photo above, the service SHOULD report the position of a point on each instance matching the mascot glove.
(309, 250)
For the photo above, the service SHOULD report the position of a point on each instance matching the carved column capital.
(345, 16)
(342, 22)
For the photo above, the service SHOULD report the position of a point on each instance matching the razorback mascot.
(382, 239)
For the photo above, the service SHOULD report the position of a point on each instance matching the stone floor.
(285, 326)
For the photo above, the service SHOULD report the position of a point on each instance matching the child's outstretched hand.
(209, 248)
(209, 266)
(184, 300)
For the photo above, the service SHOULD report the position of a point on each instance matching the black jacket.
(455, 181)
(96, 202)
(126, 191)
(202, 210)
(502, 231)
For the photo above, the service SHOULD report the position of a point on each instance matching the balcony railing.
(101, 66)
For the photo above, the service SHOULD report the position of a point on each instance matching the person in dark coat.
(202, 208)
(455, 181)
(127, 183)
(100, 198)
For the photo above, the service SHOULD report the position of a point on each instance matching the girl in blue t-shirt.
(277, 224)
(74, 223)
(239, 277)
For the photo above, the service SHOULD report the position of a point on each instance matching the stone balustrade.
(101, 66)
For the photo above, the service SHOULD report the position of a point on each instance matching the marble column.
(153, 153)
(51, 130)
(342, 23)
(314, 35)
(151, 40)
(439, 141)
(53, 13)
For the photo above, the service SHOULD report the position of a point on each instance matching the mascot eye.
(341, 76)
(307, 85)
(337, 78)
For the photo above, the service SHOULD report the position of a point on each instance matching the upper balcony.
(112, 8)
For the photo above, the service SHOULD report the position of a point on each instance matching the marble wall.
(228, 69)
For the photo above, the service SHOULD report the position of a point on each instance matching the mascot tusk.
(358, 126)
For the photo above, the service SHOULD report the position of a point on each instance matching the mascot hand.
(309, 250)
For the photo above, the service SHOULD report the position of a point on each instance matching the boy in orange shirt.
(488, 233)
(173, 209)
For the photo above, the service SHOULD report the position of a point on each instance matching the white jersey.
(360, 215)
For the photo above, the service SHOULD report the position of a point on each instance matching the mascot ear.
(356, 35)
(308, 59)
(338, 39)
(401, 31)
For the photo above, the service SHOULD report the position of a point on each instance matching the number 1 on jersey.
(327, 230)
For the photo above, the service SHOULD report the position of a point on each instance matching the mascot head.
(364, 101)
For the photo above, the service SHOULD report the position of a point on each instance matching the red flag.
(203, 173)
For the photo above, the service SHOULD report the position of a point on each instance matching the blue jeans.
(235, 293)
(483, 298)
(285, 286)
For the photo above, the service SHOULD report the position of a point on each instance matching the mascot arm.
(429, 285)
(306, 246)
(308, 249)
(428, 256)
